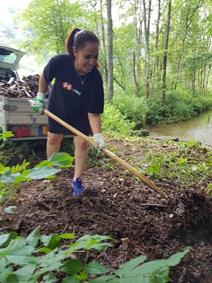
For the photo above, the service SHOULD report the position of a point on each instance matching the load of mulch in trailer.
(116, 204)
(27, 87)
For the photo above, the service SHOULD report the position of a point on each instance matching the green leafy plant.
(131, 106)
(187, 163)
(39, 257)
(5, 135)
(11, 177)
(115, 122)
(136, 270)
(209, 189)
(190, 144)
(180, 105)
(44, 258)
(42, 170)
(155, 164)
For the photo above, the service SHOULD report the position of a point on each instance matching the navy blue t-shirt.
(73, 96)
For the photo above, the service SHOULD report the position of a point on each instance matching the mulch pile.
(117, 204)
(27, 87)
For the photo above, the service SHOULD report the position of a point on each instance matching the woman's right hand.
(38, 103)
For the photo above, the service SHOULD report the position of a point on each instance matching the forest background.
(155, 55)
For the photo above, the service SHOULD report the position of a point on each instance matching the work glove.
(99, 140)
(38, 103)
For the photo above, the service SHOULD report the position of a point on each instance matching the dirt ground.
(117, 204)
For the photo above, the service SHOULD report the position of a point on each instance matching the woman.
(77, 97)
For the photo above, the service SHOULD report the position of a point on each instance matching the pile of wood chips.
(27, 87)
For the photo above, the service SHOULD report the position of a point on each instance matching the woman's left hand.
(99, 140)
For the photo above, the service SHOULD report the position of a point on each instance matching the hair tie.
(76, 35)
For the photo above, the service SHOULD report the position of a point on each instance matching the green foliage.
(11, 177)
(180, 105)
(123, 43)
(157, 111)
(5, 135)
(190, 144)
(155, 165)
(14, 169)
(47, 24)
(14, 152)
(197, 61)
(182, 164)
(97, 158)
(41, 257)
(209, 189)
(131, 106)
(135, 271)
(43, 170)
(115, 122)
(190, 37)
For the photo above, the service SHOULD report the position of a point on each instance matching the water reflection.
(198, 128)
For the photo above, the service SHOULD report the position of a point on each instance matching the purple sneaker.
(77, 187)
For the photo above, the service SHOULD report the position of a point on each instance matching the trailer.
(17, 116)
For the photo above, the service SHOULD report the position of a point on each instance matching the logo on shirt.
(67, 86)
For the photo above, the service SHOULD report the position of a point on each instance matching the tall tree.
(98, 8)
(165, 55)
(47, 23)
(131, 49)
(156, 47)
(137, 50)
(104, 45)
(110, 49)
(147, 17)
(187, 15)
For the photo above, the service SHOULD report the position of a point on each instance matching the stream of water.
(198, 128)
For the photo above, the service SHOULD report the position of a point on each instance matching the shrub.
(133, 107)
(115, 122)
(180, 105)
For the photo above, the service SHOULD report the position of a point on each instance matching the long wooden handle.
(125, 164)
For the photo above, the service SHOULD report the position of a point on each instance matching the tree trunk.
(156, 57)
(146, 30)
(137, 52)
(104, 46)
(135, 75)
(165, 55)
(193, 82)
(190, 13)
(110, 50)
(207, 78)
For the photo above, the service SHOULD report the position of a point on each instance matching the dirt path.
(117, 204)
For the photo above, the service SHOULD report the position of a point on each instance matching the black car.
(9, 59)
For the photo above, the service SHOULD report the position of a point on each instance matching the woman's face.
(86, 58)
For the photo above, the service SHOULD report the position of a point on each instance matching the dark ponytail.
(78, 38)
(69, 43)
